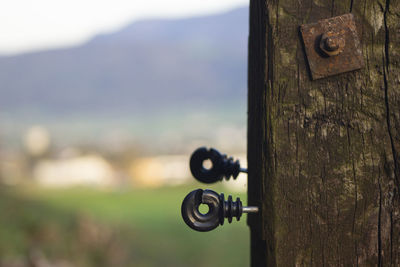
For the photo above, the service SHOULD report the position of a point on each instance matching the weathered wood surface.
(324, 156)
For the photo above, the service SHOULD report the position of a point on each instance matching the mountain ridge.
(143, 71)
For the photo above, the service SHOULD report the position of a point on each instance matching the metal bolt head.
(331, 44)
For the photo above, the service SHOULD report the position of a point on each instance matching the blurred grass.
(86, 227)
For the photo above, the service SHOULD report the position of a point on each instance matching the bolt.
(332, 44)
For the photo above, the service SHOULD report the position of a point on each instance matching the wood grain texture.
(323, 156)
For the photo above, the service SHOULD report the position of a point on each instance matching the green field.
(83, 227)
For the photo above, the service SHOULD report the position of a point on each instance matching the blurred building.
(36, 140)
(161, 170)
(89, 170)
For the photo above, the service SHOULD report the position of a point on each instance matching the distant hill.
(148, 65)
(148, 68)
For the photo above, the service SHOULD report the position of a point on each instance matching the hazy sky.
(27, 25)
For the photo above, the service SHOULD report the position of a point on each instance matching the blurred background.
(101, 105)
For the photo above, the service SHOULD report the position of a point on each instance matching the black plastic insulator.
(222, 166)
(219, 209)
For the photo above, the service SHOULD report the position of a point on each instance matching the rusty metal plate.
(332, 46)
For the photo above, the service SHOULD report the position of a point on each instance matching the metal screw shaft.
(250, 209)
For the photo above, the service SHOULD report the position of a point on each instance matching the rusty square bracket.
(332, 46)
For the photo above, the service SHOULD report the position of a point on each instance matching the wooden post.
(323, 156)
